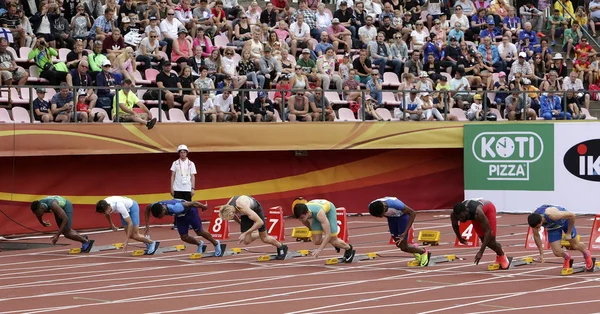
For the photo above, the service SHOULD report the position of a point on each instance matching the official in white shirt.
(130, 218)
(183, 176)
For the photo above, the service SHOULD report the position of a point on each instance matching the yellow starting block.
(579, 269)
(431, 237)
(233, 251)
(168, 249)
(357, 258)
(76, 250)
(301, 234)
(115, 246)
(565, 243)
(512, 263)
(289, 255)
(433, 260)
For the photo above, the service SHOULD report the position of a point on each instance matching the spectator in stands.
(183, 12)
(41, 108)
(80, 24)
(26, 25)
(127, 6)
(457, 33)
(84, 112)
(204, 42)
(127, 100)
(326, 65)
(518, 103)
(79, 77)
(399, 48)
(298, 107)
(381, 55)
(248, 68)
(362, 65)
(309, 66)
(478, 23)
(323, 20)
(368, 32)
(308, 17)
(491, 30)
(106, 79)
(572, 82)
(559, 66)
(11, 21)
(255, 45)
(346, 17)
(9, 71)
(459, 17)
(94, 8)
(151, 11)
(182, 48)
(269, 67)
(206, 113)
(352, 88)
(528, 33)
(414, 65)
(62, 104)
(103, 26)
(418, 36)
(300, 34)
(551, 81)
(551, 107)
(557, 25)
(204, 16)
(339, 35)
(560, 5)
(62, 32)
(268, 15)
(460, 88)
(228, 67)
(408, 26)
(573, 106)
(263, 108)
(169, 83)
(169, 28)
(204, 84)
(148, 51)
(594, 8)
(225, 108)
(319, 104)
(114, 44)
(43, 21)
(522, 67)
(512, 22)
(324, 44)
(490, 55)
(220, 19)
(374, 85)
(42, 55)
(242, 31)
(529, 13)
(213, 64)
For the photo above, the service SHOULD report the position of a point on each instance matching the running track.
(51, 281)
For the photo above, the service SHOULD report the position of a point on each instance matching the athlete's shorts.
(246, 223)
(316, 228)
(69, 211)
(490, 212)
(134, 214)
(398, 225)
(191, 219)
(556, 234)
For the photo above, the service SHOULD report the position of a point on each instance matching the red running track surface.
(52, 281)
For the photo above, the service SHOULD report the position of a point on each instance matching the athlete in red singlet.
(483, 215)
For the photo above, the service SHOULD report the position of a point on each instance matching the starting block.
(357, 258)
(565, 243)
(77, 250)
(289, 255)
(512, 263)
(205, 254)
(579, 269)
(431, 237)
(301, 234)
(168, 249)
(434, 260)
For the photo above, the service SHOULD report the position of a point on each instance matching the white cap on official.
(182, 147)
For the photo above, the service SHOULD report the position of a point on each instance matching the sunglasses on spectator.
(153, 36)
(170, 13)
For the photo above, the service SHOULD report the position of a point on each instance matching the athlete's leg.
(265, 238)
(338, 243)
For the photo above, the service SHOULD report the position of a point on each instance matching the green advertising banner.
(505, 157)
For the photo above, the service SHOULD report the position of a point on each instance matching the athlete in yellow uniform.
(323, 227)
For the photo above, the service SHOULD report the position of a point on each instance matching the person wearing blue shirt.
(527, 32)
(550, 107)
(557, 220)
(490, 55)
(186, 214)
(491, 30)
(400, 219)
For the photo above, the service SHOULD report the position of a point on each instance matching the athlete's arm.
(411, 217)
(454, 222)
(538, 242)
(322, 218)
(195, 204)
(555, 214)
(110, 223)
(487, 237)
(64, 220)
(243, 203)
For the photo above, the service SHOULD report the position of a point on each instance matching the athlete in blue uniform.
(400, 218)
(556, 220)
(324, 227)
(251, 218)
(186, 215)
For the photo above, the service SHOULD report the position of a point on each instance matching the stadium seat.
(106, 119)
(151, 75)
(385, 114)
(252, 96)
(20, 115)
(24, 53)
(155, 114)
(15, 55)
(499, 116)
(588, 116)
(4, 116)
(50, 92)
(35, 73)
(389, 99)
(390, 79)
(176, 115)
(346, 114)
(139, 80)
(191, 113)
(16, 99)
(221, 41)
(334, 98)
(62, 54)
(459, 113)
(277, 116)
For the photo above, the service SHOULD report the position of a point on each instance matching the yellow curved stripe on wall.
(356, 170)
(139, 134)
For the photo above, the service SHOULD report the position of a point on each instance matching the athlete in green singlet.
(63, 214)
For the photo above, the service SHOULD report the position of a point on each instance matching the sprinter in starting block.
(186, 215)
(129, 211)
(400, 218)
(251, 218)
(63, 215)
(324, 227)
(483, 215)
(556, 220)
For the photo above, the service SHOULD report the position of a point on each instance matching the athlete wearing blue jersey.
(400, 218)
(556, 220)
(186, 215)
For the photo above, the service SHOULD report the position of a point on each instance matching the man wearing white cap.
(521, 66)
(183, 176)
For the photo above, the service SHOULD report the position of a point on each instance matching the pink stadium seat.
(139, 80)
(20, 115)
(34, 75)
(16, 99)
(390, 79)
(155, 114)
(221, 41)
(459, 113)
(151, 75)
(176, 115)
(385, 114)
(334, 98)
(24, 53)
(388, 99)
(15, 55)
(62, 54)
(106, 119)
(277, 117)
(346, 114)
(588, 116)
(4, 116)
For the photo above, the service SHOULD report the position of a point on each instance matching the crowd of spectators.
(439, 54)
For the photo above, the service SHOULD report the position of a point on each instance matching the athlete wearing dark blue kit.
(186, 215)
(400, 219)
(557, 220)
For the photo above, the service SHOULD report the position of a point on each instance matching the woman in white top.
(323, 20)
(125, 64)
(148, 51)
(254, 45)
(298, 80)
(468, 7)
(228, 67)
(129, 210)
(507, 50)
(459, 16)
(253, 13)
(418, 35)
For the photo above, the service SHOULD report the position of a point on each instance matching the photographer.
(42, 55)
(43, 22)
